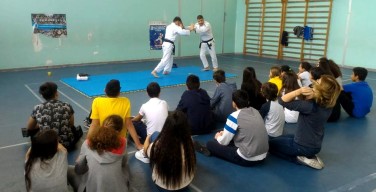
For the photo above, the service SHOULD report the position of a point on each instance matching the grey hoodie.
(105, 172)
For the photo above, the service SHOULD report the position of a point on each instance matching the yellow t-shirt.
(277, 81)
(103, 107)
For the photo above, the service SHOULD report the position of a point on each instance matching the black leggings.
(346, 101)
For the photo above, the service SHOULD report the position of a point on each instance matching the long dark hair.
(250, 80)
(290, 82)
(172, 145)
(330, 67)
(43, 147)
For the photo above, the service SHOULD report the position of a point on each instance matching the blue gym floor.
(348, 148)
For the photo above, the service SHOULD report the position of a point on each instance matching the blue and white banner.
(157, 33)
(52, 25)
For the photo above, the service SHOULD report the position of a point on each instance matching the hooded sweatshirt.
(103, 172)
(221, 102)
(196, 105)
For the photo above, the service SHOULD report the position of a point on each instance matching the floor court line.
(79, 105)
(353, 185)
(36, 95)
(15, 145)
(195, 187)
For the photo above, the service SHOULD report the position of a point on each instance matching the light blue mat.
(137, 80)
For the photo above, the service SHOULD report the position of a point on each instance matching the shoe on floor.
(205, 69)
(313, 163)
(201, 149)
(140, 155)
(87, 123)
(320, 161)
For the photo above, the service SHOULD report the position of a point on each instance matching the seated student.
(172, 155)
(314, 111)
(102, 163)
(315, 74)
(331, 68)
(46, 163)
(244, 140)
(54, 114)
(289, 83)
(304, 75)
(252, 86)
(195, 103)
(221, 102)
(154, 113)
(285, 69)
(357, 97)
(274, 75)
(113, 104)
(272, 112)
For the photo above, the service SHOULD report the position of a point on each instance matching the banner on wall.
(52, 25)
(156, 32)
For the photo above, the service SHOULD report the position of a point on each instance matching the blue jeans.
(228, 153)
(285, 147)
(140, 130)
(154, 136)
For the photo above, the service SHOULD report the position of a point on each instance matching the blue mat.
(137, 80)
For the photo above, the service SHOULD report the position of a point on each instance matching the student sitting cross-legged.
(152, 114)
(102, 163)
(271, 111)
(221, 102)
(195, 103)
(244, 140)
(46, 163)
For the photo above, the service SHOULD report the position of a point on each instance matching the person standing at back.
(207, 44)
(168, 47)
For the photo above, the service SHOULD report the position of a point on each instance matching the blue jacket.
(196, 104)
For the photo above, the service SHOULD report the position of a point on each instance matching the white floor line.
(351, 186)
(195, 187)
(15, 145)
(73, 101)
(36, 95)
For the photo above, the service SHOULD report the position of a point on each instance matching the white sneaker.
(313, 163)
(140, 155)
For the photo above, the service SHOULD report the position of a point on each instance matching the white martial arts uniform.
(172, 31)
(206, 34)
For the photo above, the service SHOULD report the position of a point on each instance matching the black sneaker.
(201, 148)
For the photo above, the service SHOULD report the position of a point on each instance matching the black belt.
(173, 45)
(207, 42)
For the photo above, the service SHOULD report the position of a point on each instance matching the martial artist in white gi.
(168, 47)
(207, 43)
